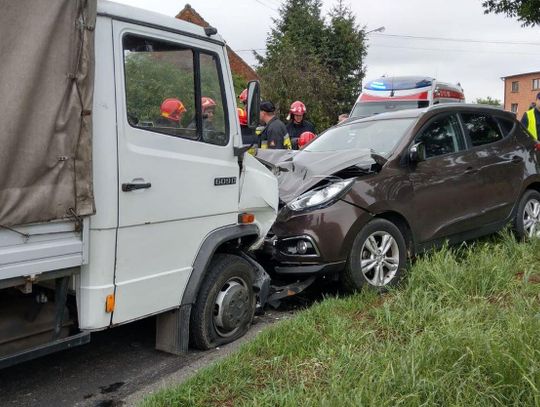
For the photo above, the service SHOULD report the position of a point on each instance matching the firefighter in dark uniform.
(298, 123)
(274, 135)
(531, 118)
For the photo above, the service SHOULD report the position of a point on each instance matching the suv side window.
(507, 125)
(161, 89)
(481, 128)
(442, 136)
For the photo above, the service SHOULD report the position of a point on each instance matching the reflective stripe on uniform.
(287, 142)
(531, 121)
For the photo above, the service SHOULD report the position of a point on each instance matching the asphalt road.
(120, 365)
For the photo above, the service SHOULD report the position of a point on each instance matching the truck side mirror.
(417, 153)
(253, 104)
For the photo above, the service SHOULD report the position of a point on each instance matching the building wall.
(524, 96)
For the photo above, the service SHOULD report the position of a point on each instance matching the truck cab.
(179, 205)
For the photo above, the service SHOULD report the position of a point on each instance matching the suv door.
(500, 162)
(445, 184)
(176, 169)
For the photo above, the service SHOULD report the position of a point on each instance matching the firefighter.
(298, 124)
(242, 97)
(248, 135)
(274, 135)
(531, 119)
(208, 107)
(305, 138)
(171, 112)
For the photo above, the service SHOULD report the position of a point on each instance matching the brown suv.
(368, 192)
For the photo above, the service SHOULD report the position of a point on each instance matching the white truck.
(113, 207)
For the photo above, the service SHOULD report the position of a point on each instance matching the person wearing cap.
(531, 118)
(274, 135)
(298, 124)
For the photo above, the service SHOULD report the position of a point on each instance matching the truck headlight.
(321, 197)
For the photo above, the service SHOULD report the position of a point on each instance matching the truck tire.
(378, 257)
(225, 304)
(527, 218)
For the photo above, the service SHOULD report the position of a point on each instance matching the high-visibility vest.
(531, 120)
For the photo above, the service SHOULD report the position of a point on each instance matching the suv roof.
(411, 113)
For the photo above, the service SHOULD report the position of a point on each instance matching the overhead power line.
(423, 49)
(470, 40)
(460, 50)
(266, 5)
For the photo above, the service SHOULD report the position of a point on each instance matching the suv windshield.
(380, 136)
(365, 109)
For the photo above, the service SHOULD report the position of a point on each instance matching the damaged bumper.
(313, 243)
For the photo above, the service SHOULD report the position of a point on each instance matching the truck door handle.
(132, 187)
(471, 170)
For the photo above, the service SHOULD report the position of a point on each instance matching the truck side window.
(160, 86)
(213, 109)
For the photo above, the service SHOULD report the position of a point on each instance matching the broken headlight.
(320, 197)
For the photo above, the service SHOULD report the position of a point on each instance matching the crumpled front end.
(258, 195)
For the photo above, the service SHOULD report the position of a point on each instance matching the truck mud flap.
(42, 350)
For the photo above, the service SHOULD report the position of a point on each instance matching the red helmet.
(242, 116)
(298, 108)
(207, 103)
(172, 108)
(305, 138)
(243, 96)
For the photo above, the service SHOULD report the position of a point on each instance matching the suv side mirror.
(417, 153)
(253, 104)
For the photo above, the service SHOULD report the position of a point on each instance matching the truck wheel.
(527, 219)
(378, 257)
(225, 303)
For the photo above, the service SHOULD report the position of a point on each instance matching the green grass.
(463, 330)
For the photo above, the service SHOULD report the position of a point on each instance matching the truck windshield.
(380, 136)
(365, 109)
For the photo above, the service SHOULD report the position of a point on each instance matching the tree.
(488, 101)
(286, 80)
(318, 63)
(345, 56)
(526, 11)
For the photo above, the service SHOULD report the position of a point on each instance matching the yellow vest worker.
(531, 119)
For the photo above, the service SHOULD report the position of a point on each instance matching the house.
(520, 90)
(238, 65)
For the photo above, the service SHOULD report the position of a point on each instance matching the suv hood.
(300, 171)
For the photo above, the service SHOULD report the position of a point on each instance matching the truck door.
(176, 169)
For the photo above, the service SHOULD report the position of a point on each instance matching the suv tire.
(527, 218)
(378, 257)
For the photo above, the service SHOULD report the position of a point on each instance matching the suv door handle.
(471, 170)
(131, 187)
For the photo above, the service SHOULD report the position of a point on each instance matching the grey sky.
(478, 66)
